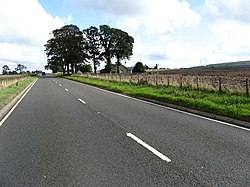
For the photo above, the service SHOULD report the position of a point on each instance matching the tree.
(66, 48)
(85, 68)
(107, 43)
(5, 69)
(146, 67)
(156, 66)
(93, 45)
(20, 68)
(139, 68)
(123, 46)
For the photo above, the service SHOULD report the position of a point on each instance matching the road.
(65, 133)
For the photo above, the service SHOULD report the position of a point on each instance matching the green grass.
(10, 92)
(226, 104)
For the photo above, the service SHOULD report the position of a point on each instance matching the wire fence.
(6, 81)
(215, 83)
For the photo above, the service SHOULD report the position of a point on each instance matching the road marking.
(66, 90)
(173, 109)
(13, 108)
(153, 150)
(60, 85)
(82, 101)
(56, 82)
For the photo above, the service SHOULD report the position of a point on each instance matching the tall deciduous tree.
(123, 46)
(5, 69)
(93, 45)
(107, 42)
(20, 68)
(66, 48)
(116, 43)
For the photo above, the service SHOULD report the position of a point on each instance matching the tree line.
(71, 49)
(20, 68)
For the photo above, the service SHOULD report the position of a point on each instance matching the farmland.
(235, 80)
(6, 80)
(176, 87)
(12, 86)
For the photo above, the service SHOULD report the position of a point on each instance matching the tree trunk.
(118, 66)
(68, 69)
(76, 68)
(72, 68)
(63, 69)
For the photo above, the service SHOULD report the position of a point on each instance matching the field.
(235, 80)
(6, 80)
(11, 91)
(222, 103)
(236, 72)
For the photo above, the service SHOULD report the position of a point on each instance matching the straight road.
(64, 133)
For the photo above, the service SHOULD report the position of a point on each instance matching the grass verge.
(226, 104)
(10, 92)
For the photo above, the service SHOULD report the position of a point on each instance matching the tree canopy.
(139, 68)
(66, 48)
(70, 47)
(93, 45)
(5, 69)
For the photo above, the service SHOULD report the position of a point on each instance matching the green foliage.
(116, 43)
(85, 68)
(65, 49)
(93, 45)
(20, 68)
(71, 47)
(227, 104)
(5, 69)
(139, 68)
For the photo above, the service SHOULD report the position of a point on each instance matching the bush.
(139, 68)
(85, 68)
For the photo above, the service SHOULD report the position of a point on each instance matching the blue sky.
(171, 33)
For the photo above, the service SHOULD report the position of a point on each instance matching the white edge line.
(82, 101)
(173, 109)
(153, 150)
(13, 108)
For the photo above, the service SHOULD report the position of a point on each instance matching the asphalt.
(65, 133)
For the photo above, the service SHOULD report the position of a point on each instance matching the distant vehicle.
(43, 73)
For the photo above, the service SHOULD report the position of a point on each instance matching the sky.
(171, 33)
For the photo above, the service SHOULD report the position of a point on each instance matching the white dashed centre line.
(66, 90)
(60, 85)
(153, 150)
(82, 101)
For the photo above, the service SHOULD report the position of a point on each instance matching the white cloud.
(154, 30)
(24, 29)
(161, 17)
(229, 22)
(237, 10)
(112, 7)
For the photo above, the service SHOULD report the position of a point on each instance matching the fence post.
(197, 83)
(181, 83)
(168, 81)
(247, 87)
(220, 86)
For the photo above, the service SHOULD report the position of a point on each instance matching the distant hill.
(229, 65)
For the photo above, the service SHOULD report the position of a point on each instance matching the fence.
(216, 83)
(7, 81)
